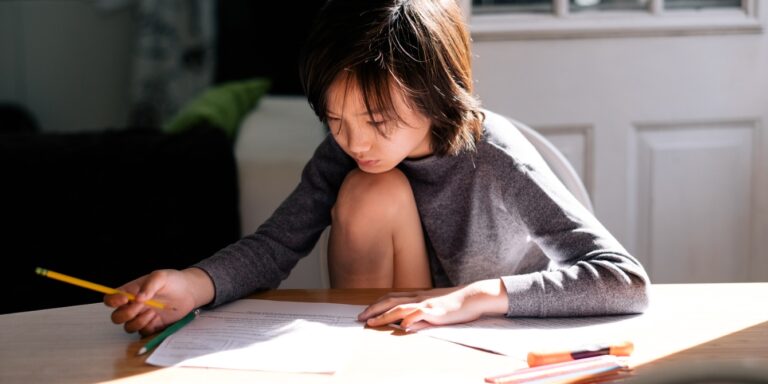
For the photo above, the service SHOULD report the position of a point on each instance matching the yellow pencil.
(93, 286)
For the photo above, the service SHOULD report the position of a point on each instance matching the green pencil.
(167, 332)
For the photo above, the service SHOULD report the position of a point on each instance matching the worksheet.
(265, 335)
(515, 337)
(668, 326)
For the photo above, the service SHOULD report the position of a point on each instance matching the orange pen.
(536, 359)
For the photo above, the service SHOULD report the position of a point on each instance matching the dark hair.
(421, 46)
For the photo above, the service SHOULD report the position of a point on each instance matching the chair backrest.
(557, 162)
(552, 156)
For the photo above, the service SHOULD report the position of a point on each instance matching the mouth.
(366, 163)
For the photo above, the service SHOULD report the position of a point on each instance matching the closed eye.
(382, 127)
(334, 123)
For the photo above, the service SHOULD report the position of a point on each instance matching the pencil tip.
(141, 351)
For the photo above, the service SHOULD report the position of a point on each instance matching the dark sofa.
(108, 207)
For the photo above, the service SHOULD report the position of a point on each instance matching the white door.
(662, 111)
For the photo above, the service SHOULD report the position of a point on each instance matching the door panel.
(694, 201)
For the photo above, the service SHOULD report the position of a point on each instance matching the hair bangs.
(376, 86)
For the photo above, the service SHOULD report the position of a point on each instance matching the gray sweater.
(496, 212)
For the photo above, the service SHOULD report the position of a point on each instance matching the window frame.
(561, 24)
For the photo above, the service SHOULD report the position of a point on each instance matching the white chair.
(557, 162)
(552, 156)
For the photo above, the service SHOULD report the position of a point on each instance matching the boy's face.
(358, 134)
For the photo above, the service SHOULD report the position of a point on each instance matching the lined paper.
(265, 335)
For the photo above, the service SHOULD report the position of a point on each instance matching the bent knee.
(364, 195)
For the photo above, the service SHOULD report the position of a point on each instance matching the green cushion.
(223, 106)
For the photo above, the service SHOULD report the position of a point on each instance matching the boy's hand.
(180, 291)
(420, 309)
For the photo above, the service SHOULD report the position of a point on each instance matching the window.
(511, 6)
(548, 6)
(510, 19)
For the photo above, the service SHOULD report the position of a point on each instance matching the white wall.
(69, 62)
(636, 108)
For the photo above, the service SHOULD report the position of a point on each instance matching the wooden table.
(717, 327)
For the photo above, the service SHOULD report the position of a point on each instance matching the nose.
(359, 139)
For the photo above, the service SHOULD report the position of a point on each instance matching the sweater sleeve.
(263, 259)
(589, 272)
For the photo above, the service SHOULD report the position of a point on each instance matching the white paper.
(265, 335)
(669, 325)
(515, 337)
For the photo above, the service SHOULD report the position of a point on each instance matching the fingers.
(115, 300)
(146, 323)
(391, 316)
(386, 303)
(135, 315)
(412, 317)
(416, 312)
(127, 312)
(415, 327)
(154, 325)
(150, 286)
(410, 314)
(391, 300)
(140, 321)
(433, 314)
